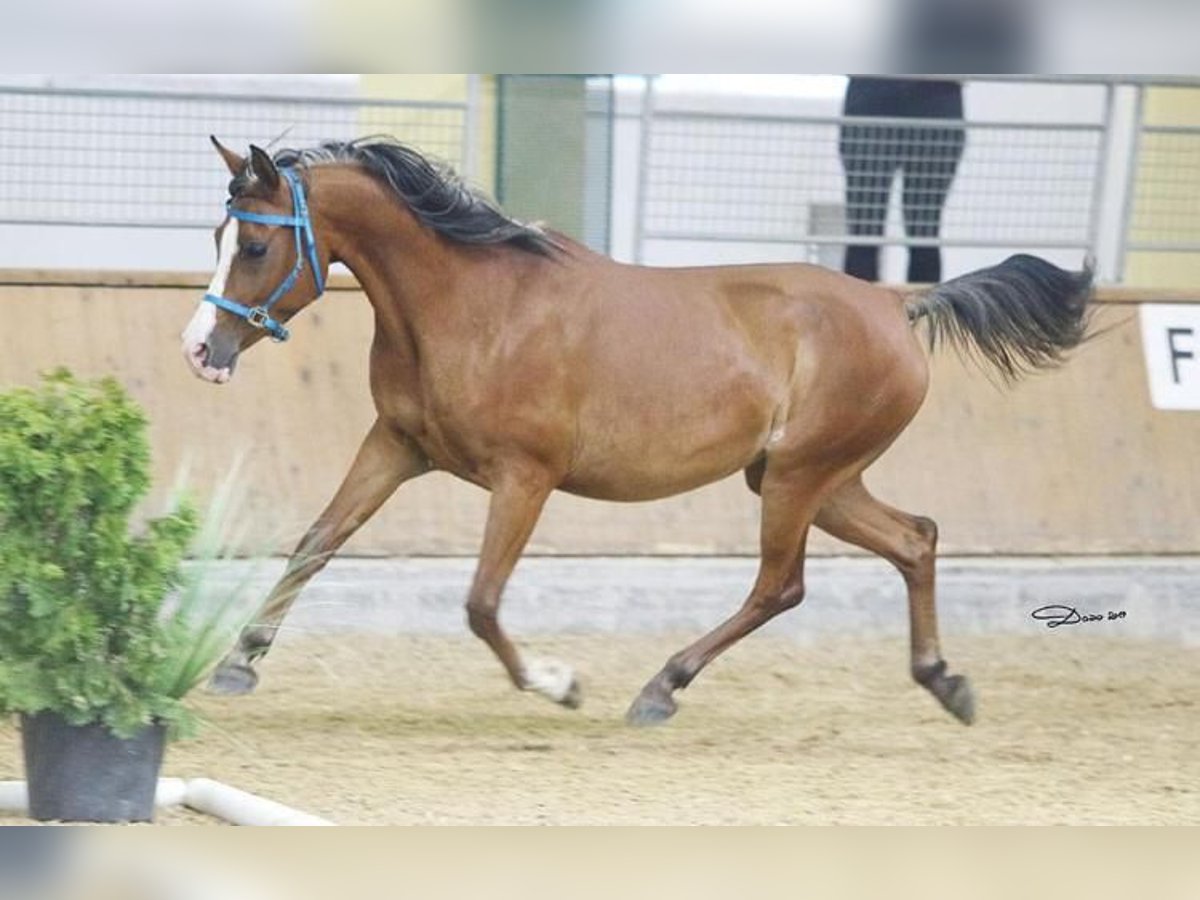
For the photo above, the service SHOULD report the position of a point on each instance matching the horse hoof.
(651, 708)
(233, 680)
(958, 698)
(573, 699)
(555, 680)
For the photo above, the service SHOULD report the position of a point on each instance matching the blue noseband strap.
(306, 245)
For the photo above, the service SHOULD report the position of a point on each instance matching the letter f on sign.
(1171, 349)
(1178, 353)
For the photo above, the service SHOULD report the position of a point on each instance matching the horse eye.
(254, 250)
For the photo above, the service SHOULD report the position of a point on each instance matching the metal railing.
(763, 179)
(1110, 182)
(1163, 209)
(1103, 184)
(142, 158)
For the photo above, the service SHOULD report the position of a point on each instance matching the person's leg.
(869, 165)
(931, 157)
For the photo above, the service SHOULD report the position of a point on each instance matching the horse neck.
(401, 264)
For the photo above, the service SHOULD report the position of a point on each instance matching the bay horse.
(518, 360)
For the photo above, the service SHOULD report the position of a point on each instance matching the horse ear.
(233, 162)
(263, 167)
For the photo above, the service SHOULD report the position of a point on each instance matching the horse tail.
(1020, 315)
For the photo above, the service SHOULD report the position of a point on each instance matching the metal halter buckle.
(258, 317)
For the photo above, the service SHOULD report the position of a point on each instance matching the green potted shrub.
(103, 631)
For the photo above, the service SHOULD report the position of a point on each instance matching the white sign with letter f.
(1171, 341)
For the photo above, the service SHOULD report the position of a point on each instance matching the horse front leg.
(518, 496)
(384, 462)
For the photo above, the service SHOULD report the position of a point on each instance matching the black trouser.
(926, 156)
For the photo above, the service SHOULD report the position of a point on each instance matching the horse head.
(268, 265)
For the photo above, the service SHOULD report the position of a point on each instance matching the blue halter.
(301, 224)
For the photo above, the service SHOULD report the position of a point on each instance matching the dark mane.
(437, 196)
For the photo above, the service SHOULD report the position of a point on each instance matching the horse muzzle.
(209, 363)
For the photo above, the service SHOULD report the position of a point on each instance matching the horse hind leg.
(909, 543)
(789, 503)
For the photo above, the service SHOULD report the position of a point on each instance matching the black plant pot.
(85, 773)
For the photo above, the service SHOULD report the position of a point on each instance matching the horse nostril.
(197, 354)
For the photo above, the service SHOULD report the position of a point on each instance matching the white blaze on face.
(199, 329)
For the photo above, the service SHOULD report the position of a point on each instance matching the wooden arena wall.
(1074, 461)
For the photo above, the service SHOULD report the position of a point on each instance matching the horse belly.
(639, 486)
(636, 458)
